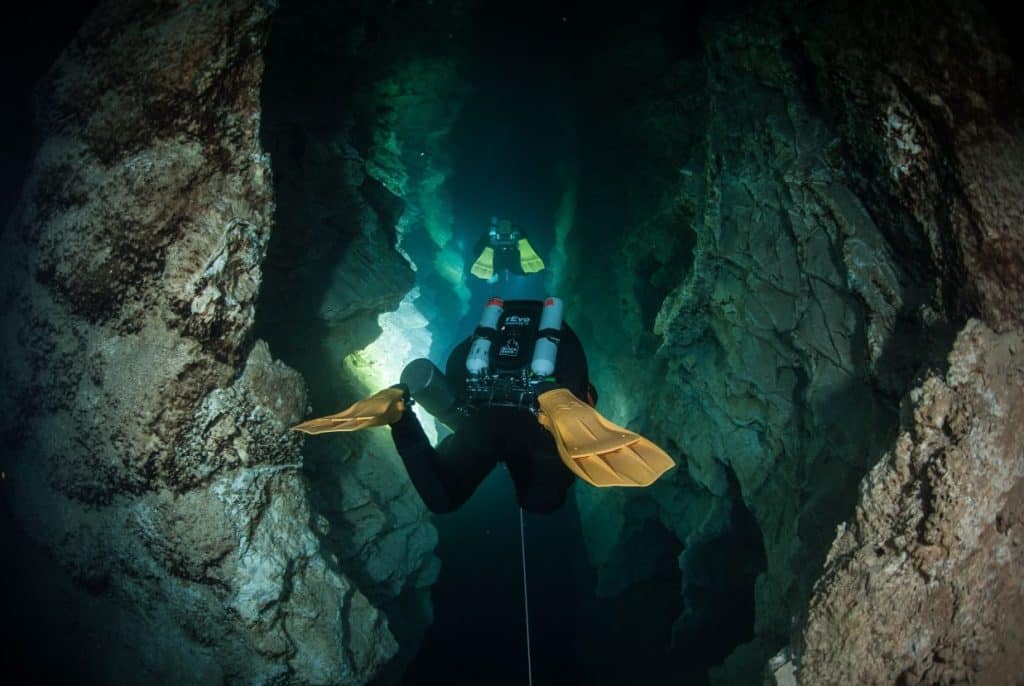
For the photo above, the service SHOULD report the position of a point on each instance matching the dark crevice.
(719, 586)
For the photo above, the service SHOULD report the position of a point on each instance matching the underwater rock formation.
(147, 458)
(333, 265)
(417, 102)
(808, 289)
(931, 551)
(926, 99)
(922, 585)
(825, 238)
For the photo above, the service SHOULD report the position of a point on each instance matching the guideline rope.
(526, 598)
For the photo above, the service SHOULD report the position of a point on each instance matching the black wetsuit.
(447, 476)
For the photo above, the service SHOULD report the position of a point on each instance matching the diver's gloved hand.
(596, 450)
(384, 407)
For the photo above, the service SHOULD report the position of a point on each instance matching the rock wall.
(926, 99)
(148, 472)
(922, 584)
(333, 266)
(816, 247)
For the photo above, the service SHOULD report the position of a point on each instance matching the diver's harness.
(502, 368)
(511, 355)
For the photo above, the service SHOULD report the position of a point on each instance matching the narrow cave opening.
(396, 133)
(390, 156)
(783, 231)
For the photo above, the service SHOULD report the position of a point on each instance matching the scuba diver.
(504, 251)
(517, 391)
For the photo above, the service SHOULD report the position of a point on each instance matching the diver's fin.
(483, 268)
(596, 450)
(529, 260)
(384, 407)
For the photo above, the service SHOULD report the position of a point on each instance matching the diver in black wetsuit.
(490, 431)
(517, 392)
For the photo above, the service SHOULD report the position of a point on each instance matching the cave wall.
(829, 194)
(810, 254)
(932, 550)
(927, 100)
(347, 111)
(922, 585)
(149, 477)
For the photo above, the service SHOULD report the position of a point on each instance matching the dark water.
(31, 39)
(479, 630)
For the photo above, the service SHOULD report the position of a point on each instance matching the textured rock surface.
(418, 100)
(822, 230)
(922, 585)
(788, 297)
(147, 466)
(331, 268)
(927, 100)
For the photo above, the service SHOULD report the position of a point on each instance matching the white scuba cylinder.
(545, 350)
(479, 358)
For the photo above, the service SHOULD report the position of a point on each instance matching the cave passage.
(433, 122)
(785, 233)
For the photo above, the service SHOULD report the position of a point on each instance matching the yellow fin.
(596, 450)
(529, 260)
(381, 408)
(483, 268)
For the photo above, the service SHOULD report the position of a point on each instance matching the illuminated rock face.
(333, 266)
(922, 584)
(159, 496)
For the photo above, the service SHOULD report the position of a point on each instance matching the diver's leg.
(419, 458)
(465, 459)
(542, 481)
(446, 477)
